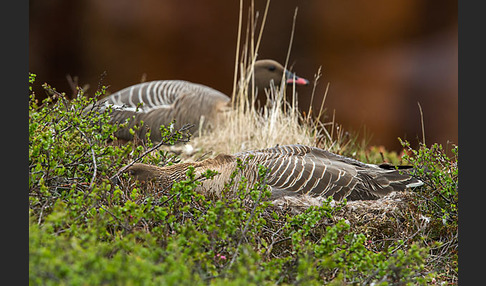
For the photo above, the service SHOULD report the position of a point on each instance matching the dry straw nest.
(391, 218)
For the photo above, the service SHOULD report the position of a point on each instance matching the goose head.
(149, 173)
(267, 70)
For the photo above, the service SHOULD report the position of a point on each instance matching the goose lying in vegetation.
(183, 101)
(291, 170)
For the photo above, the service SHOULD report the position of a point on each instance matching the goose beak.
(292, 78)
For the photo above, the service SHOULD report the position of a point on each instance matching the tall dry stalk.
(245, 127)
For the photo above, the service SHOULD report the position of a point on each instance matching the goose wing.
(160, 102)
(298, 169)
(159, 94)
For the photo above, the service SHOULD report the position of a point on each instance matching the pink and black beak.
(292, 78)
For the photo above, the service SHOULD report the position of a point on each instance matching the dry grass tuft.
(246, 128)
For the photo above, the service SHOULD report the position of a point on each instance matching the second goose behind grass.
(160, 102)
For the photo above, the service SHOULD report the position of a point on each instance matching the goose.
(266, 71)
(160, 102)
(292, 170)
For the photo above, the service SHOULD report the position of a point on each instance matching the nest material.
(388, 218)
(389, 203)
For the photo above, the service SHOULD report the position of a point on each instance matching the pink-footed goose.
(183, 101)
(292, 170)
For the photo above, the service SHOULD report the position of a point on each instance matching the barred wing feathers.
(298, 169)
(160, 102)
(160, 94)
(293, 170)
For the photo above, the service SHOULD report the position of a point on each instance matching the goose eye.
(271, 68)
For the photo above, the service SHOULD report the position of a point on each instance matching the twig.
(127, 228)
(164, 141)
(422, 122)
(263, 25)
(41, 211)
(102, 77)
(291, 38)
(322, 103)
(316, 78)
(169, 199)
(202, 156)
(94, 165)
(73, 84)
(238, 39)
(252, 214)
(92, 155)
(281, 240)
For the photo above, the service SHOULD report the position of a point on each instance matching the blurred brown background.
(380, 57)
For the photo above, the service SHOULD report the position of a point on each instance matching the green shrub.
(87, 230)
(438, 201)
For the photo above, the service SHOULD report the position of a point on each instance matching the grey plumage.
(159, 94)
(292, 170)
(160, 102)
